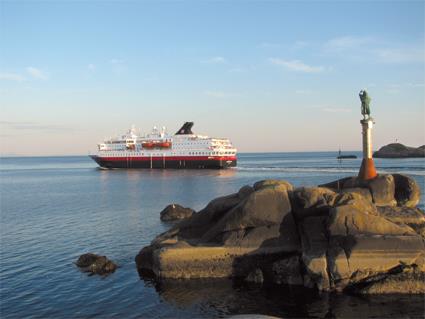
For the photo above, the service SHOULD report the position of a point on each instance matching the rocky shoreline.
(348, 235)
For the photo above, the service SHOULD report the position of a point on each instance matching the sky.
(273, 76)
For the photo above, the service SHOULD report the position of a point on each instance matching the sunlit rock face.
(345, 235)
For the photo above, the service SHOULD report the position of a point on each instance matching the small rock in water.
(175, 212)
(96, 264)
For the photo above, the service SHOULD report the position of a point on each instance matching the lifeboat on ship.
(165, 144)
(148, 145)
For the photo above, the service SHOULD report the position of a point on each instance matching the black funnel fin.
(185, 129)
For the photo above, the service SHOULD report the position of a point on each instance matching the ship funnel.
(185, 129)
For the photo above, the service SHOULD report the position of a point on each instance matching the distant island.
(397, 150)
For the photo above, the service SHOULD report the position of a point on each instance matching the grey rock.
(364, 192)
(175, 212)
(407, 191)
(315, 244)
(265, 207)
(287, 271)
(312, 201)
(413, 217)
(382, 189)
(96, 264)
(244, 191)
(274, 183)
(330, 238)
(348, 220)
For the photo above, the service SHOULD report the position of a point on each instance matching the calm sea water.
(54, 209)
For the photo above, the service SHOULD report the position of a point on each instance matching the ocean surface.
(54, 209)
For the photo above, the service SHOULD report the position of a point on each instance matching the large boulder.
(312, 201)
(96, 264)
(262, 208)
(229, 230)
(194, 227)
(385, 189)
(407, 191)
(175, 212)
(382, 189)
(359, 200)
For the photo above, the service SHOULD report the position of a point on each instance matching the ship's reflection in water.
(166, 173)
(193, 188)
(224, 297)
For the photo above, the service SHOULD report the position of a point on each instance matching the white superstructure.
(159, 143)
(184, 149)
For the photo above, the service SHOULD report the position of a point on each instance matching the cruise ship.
(158, 149)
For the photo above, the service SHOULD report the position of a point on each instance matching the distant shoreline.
(245, 153)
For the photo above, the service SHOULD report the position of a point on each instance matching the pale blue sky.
(272, 76)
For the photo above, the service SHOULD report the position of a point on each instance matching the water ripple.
(55, 209)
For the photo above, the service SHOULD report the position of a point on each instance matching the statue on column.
(365, 98)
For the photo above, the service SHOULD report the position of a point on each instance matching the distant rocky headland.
(348, 235)
(397, 150)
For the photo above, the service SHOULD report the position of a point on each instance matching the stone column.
(367, 169)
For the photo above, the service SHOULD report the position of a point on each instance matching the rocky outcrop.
(175, 212)
(397, 150)
(345, 235)
(95, 264)
(385, 190)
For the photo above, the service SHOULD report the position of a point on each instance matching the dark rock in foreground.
(96, 264)
(366, 237)
(397, 150)
(175, 212)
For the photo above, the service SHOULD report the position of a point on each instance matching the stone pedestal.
(367, 169)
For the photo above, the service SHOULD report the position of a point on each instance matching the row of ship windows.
(175, 144)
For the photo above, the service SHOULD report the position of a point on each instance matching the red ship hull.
(166, 162)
